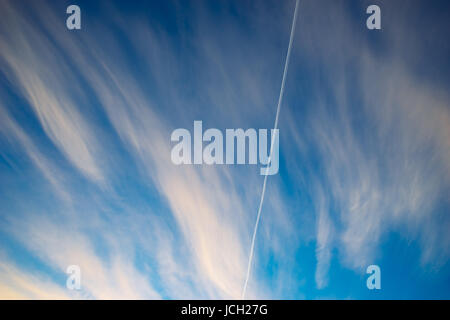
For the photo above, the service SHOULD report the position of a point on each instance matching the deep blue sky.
(86, 177)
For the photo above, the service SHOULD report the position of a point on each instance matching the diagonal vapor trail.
(280, 99)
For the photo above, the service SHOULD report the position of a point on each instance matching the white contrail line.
(280, 99)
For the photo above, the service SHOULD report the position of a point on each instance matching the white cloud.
(386, 160)
(52, 92)
(212, 207)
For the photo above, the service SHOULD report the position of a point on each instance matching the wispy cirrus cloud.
(16, 284)
(209, 207)
(364, 151)
(27, 55)
(380, 135)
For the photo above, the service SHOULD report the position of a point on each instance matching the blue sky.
(86, 176)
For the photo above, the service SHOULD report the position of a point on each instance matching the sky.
(86, 176)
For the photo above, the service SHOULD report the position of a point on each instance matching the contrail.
(280, 99)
